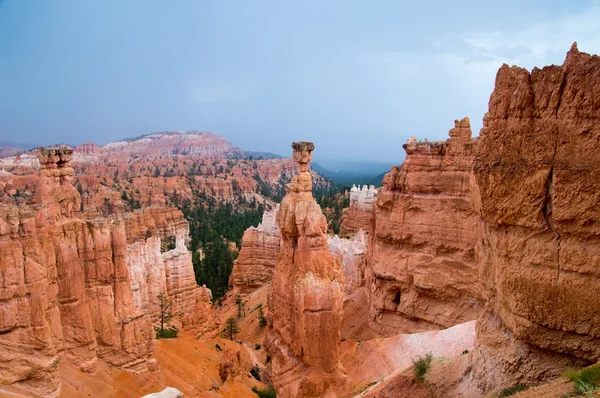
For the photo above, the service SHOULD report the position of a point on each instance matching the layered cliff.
(68, 287)
(255, 264)
(65, 287)
(155, 271)
(360, 215)
(306, 297)
(352, 255)
(536, 187)
(421, 266)
(174, 143)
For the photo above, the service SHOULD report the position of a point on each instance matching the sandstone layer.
(171, 273)
(421, 266)
(360, 215)
(306, 299)
(256, 262)
(185, 143)
(536, 187)
(352, 255)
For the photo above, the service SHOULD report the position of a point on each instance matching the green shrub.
(166, 334)
(591, 375)
(257, 347)
(421, 365)
(512, 390)
(268, 358)
(585, 380)
(268, 392)
(255, 372)
(465, 352)
(218, 347)
(583, 387)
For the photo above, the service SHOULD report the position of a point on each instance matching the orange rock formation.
(67, 290)
(421, 263)
(170, 273)
(352, 255)
(256, 263)
(537, 189)
(360, 212)
(306, 299)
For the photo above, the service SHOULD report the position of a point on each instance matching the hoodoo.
(306, 300)
(75, 291)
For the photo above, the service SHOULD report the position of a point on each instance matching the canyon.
(483, 252)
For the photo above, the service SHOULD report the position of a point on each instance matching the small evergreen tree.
(262, 321)
(165, 315)
(231, 327)
(241, 305)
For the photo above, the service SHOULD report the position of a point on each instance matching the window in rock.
(396, 300)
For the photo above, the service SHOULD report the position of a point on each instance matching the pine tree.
(231, 327)
(241, 305)
(165, 315)
(262, 321)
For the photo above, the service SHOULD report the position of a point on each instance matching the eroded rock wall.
(255, 264)
(421, 266)
(352, 255)
(65, 287)
(154, 271)
(537, 188)
(306, 299)
(360, 214)
(77, 290)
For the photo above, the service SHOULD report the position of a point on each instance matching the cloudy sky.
(357, 77)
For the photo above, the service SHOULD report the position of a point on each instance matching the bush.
(512, 390)
(465, 352)
(166, 334)
(421, 365)
(257, 347)
(268, 392)
(255, 372)
(218, 347)
(585, 380)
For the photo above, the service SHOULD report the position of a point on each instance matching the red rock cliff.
(421, 253)
(171, 272)
(67, 290)
(306, 298)
(360, 212)
(537, 189)
(65, 287)
(256, 263)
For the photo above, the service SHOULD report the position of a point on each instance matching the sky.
(356, 77)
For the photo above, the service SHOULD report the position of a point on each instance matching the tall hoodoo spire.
(306, 300)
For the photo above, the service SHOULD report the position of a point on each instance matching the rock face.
(537, 188)
(306, 298)
(352, 255)
(360, 212)
(175, 143)
(67, 286)
(170, 273)
(421, 265)
(234, 364)
(256, 262)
